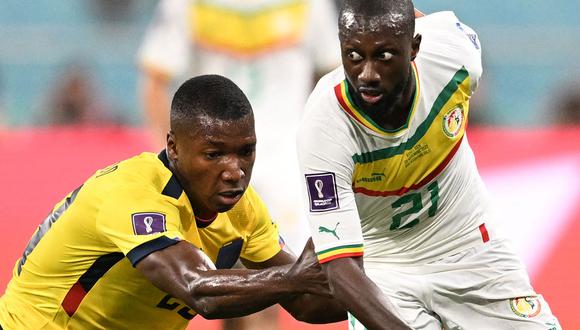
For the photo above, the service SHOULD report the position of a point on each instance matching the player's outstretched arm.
(360, 296)
(185, 272)
(305, 307)
(154, 90)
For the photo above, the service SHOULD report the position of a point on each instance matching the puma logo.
(322, 229)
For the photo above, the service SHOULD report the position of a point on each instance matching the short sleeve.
(450, 43)
(263, 241)
(139, 223)
(167, 44)
(326, 167)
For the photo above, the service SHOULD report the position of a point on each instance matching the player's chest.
(221, 241)
(392, 165)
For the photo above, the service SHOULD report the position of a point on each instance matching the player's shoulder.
(143, 173)
(444, 34)
(322, 103)
(323, 90)
(448, 46)
(325, 122)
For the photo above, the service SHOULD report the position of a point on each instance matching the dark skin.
(377, 64)
(213, 160)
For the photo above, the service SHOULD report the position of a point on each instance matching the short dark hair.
(213, 96)
(399, 14)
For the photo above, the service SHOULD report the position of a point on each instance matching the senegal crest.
(452, 122)
(525, 306)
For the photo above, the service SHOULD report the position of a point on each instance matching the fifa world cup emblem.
(148, 222)
(318, 184)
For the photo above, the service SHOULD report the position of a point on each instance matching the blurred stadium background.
(525, 127)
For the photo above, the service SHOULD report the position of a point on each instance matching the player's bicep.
(174, 260)
(281, 258)
(174, 268)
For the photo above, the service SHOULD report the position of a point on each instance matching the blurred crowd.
(77, 62)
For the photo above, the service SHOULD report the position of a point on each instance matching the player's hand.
(307, 273)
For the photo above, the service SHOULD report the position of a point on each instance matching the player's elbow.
(207, 308)
(200, 301)
(303, 315)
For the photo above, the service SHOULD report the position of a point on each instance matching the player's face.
(214, 162)
(377, 61)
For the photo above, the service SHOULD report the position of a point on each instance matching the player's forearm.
(156, 103)
(234, 293)
(314, 309)
(361, 297)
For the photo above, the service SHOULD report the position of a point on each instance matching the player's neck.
(397, 115)
(393, 114)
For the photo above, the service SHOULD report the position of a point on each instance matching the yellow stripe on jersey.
(248, 33)
(411, 164)
(346, 103)
(345, 251)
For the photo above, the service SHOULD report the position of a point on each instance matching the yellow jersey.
(78, 270)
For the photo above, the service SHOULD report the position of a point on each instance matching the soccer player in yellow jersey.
(147, 243)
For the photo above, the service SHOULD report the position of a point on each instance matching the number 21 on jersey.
(411, 204)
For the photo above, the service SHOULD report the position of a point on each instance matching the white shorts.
(485, 287)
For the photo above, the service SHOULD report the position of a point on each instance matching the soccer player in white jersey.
(397, 209)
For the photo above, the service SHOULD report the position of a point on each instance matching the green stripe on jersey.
(353, 246)
(444, 96)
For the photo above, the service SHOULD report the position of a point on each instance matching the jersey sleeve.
(139, 223)
(263, 241)
(451, 43)
(167, 45)
(326, 168)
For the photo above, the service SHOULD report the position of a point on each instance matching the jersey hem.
(339, 256)
(345, 251)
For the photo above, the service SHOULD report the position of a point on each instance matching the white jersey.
(255, 43)
(270, 49)
(408, 196)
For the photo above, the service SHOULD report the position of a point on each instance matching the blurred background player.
(273, 50)
(75, 99)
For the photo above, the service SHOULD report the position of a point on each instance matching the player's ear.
(171, 146)
(416, 43)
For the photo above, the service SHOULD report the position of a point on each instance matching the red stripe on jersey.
(342, 255)
(423, 182)
(73, 298)
(484, 233)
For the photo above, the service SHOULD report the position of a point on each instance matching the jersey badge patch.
(452, 122)
(146, 223)
(526, 307)
(322, 192)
